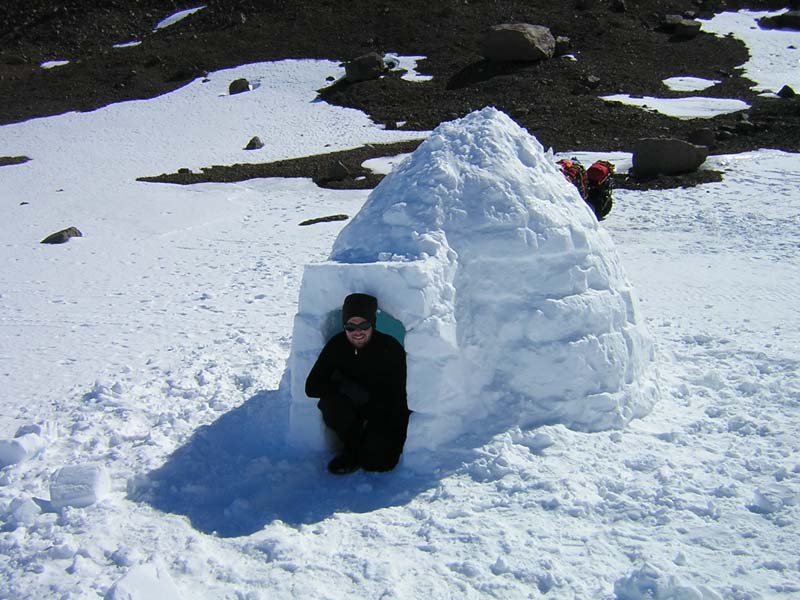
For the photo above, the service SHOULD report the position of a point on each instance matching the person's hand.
(357, 394)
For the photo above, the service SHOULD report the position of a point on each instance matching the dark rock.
(619, 6)
(563, 46)
(239, 86)
(337, 171)
(59, 237)
(745, 126)
(13, 160)
(787, 20)
(186, 72)
(518, 42)
(184, 171)
(686, 29)
(786, 92)
(724, 135)
(365, 67)
(254, 144)
(704, 136)
(668, 22)
(670, 156)
(325, 219)
(590, 81)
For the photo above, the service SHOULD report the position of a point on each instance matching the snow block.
(78, 486)
(20, 448)
(22, 512)
(145, 582)
(647, 582)
(513, 299)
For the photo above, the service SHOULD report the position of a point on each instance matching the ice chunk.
(145, 582)
(22, 512)
(79, 486)
(647, 582)
(20, 448)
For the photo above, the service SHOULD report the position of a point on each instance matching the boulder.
(336, 171)
(518, 41)
(686, 29)
(365, 67)
(669, 22)
(668, 156)
(563, 46)
(254, 144)
(704, 136)
(59, 237)
(787, 20)
(786, 92)
(238, 86)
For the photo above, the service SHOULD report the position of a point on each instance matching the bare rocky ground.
(621, 43)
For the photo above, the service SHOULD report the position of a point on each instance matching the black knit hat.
(359, 305)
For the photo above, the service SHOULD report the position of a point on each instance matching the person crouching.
(360, 380)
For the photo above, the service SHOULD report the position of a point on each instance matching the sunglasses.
(365, 326)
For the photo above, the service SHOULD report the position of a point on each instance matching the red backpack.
(595, 185)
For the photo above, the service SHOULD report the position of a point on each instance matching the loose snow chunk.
(772, 498)
(513, 301)
(145, 582)
(648, 583)
(20, 448)
(22, 512)
(78, 486)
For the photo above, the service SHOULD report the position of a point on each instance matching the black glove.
(358, 395)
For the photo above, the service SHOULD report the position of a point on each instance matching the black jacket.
(379, 367)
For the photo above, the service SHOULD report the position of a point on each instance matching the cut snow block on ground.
(145, 582)
(78, 486)
(20, 448)
(515, 307)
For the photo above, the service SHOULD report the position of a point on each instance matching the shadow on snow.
(238, 474)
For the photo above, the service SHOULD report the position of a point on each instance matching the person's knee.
(381, 447)
(336, 407)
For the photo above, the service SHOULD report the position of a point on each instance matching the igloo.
(509, 298)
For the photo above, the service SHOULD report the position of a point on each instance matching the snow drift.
(512, 300)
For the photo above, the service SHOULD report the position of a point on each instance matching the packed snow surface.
(151, 350)
(514, 303)
(695, 107)
(774, 53)
(689, 84)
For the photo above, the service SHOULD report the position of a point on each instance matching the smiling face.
(358, 337)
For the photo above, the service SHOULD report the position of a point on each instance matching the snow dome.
(509, 298)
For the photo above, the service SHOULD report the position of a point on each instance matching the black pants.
(374, 437)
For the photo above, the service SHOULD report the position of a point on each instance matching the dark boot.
(343, 464)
